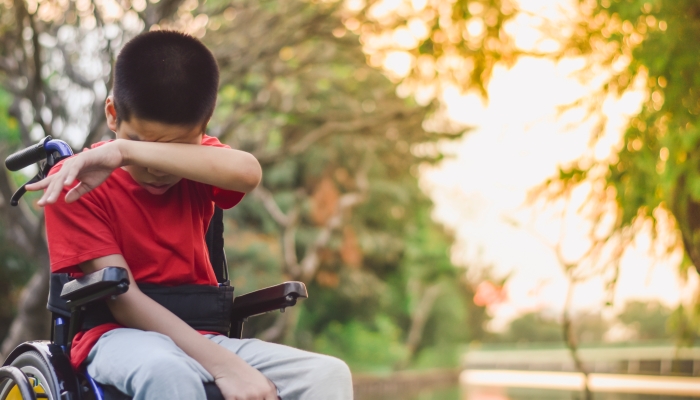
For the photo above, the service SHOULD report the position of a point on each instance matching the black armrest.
(269, 299)
(110, 281)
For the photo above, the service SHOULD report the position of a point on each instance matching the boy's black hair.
(165, 76)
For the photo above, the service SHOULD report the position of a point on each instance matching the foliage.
(653, 173)
(428, 44)
(652, 178)
(55, 64)
(15, 271)
(449, 322)
(364, 348)
(15, 268)
(645, 321)
(590, 327)
(339, 207)
(533, 327)
(649, 321)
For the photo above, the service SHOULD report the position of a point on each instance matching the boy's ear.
(111, 114)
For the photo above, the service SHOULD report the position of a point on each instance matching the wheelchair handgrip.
(26, 157)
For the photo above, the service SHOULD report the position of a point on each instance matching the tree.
(339, 206)
(55, 62)
(652, 177)
(339, 148)
(15, 270)
(649, 321)
(431, 45)
(533, 327)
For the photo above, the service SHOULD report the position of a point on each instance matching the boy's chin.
(156, 190)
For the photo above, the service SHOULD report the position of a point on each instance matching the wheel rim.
(36, 379)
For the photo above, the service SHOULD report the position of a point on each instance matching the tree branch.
(71, 72)
(322, 131)
(288, 223)
(570, 339)
(309, 264)
(419, 317)
(271, 206)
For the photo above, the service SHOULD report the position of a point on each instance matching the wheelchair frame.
(109, 282)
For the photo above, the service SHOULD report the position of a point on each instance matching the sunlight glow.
(518, 139)
(405, 38)
(398, 63)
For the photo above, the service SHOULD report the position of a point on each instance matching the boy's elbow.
(254, 178)
(249, 177)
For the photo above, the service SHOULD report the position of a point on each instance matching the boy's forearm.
(224, 168)
(134, 309)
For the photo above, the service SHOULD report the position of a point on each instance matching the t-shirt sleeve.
(221, 197)
(77, 232)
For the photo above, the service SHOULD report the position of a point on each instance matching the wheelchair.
(41, 369)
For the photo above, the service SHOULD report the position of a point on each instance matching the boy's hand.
(245, 383)
(91, 168)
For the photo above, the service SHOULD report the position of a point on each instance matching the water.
(548, 394)
(450, 393)
(457, 393)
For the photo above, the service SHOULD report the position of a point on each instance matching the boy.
(143, 202)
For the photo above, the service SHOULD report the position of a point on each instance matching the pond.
(547, 394)
(449, 393)
(457, 393)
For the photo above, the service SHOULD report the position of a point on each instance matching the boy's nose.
(155, 172)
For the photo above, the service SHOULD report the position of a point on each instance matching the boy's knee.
(332, 367)
(332, 377)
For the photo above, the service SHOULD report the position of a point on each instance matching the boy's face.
(154, 181)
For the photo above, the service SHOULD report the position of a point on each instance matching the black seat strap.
(215, 244)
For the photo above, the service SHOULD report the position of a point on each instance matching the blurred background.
(487, 199)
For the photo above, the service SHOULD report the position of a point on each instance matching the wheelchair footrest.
(16, 375)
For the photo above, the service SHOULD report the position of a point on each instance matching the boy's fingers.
(50, 194)
(38, 185)
(46, 183)
(72, 195)
(54, 187)
(75, 193)
(70, 176)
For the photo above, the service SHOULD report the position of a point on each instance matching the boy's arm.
(236, 379)
(224, 168)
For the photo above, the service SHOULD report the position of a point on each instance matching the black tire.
(34, 366)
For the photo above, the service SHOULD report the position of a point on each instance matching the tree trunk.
(33, 320)
(419, 318)
(571, 342)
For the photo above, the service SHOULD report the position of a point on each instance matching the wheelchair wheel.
(40, 377)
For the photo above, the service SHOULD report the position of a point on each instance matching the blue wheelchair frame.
(67, 384)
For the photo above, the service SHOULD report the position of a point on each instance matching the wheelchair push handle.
(26, 157)
(37, 152)
(48, 148)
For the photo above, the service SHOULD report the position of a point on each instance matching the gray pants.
(148, 365)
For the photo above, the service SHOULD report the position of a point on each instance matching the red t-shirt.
(161, 237)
